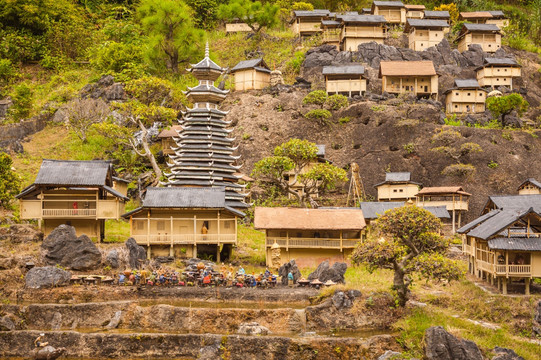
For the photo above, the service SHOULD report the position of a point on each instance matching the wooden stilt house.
(454, 198)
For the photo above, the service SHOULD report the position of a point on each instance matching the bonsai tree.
(9, 181)
(256, 15)
(290, 161)
(504, 105)
(407, 240)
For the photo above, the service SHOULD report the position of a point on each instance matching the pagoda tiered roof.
(203, 155)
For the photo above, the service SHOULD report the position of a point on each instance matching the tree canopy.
(408, 240)
(256, 15)
(289, 167)
(9, 181)
(504, 105)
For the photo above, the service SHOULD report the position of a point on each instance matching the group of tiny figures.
(203, 276)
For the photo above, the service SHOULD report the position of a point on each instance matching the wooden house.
(414, 11)
(467, 96)
(120, 185)
(393, 11)
(251, 74)
(307, 23)
(415, 77)
(488, 36)
(76, 193)
(291, 177)
(185, 222)
(454, 198)
(347, 80)
(423, 33)
(166, 138)
(503, 245)
(331, 32)
(373, 210)
(439, 15)
(530, 187)
(498, 18)
(497, 72)
(397, 186)
(309, 236)
(360, 29)
(499, 202)
(475, 17)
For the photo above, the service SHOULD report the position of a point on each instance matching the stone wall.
(11, 135)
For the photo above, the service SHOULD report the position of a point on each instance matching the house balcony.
(184, 239)
(504, 270)
(345, 86)
(71, 209)
(456, 205)
(313, 243)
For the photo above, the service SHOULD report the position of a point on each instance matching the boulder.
(288, 267)
(324, 272)
(344, 300)
(390, 355)
(252, 328)
(47, 353)
(46, 277)
(6, 324)
(56, 322)
(63, 247)
(505, 354)
(105, 88)
(136, 254)
(112, 259)
(440, 345)
(115, 320)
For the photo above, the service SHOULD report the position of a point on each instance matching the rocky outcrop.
(46, 277)
(5, 104)
(18, 233)
(112, 260)
(440, 345)
(106, 88)
(344, 300)
(12, 135)
(252, 328)
(47, 353)
(324, 272)
(505, 354)
(6, 324)
(537, 319)
(289, 267)
(136, 254)
(63, 247)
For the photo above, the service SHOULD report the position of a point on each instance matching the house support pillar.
(527, 286)
(504, 286)
(498, 281)
(218, 253)
(148, 252)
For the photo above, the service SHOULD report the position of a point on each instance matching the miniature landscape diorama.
(270, 179)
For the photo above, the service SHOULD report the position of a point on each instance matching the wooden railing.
(315, 243)
(184, 239)
(466, 249)
(69, 213)
(513, 269)
(344, 86)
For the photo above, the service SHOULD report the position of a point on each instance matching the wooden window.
(456, 106)
(480, 94)
(456, 94)
(469, 94)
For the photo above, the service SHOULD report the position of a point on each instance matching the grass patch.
(116, 231)
(250, 246)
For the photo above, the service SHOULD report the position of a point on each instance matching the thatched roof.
(308, 219)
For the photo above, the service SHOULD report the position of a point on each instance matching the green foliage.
(446, 137)
(452, 9)
(317, 97)
(123, 60)
(20, 45)
(410, 148)
(9, 181)
(302, 6)
(172, 38)
(299, 151)
(344, 120)
(8, 74)
(148, 114)
(256, 15)
(452, 121)
(151, 90)
(458, 170)
(293, 66)
(325, 175)
(378, 108)
(518, 39)
(322, 115)
(492, 164)
(336, 102)
(408, 240)
(205, 13)
(273, 167)
(504, 105)
(470, 147)
(22, 102)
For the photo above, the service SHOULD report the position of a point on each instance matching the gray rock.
(105, 88)
(210, 352)
(6, 324)
(136, 254)
(47, 353)
(440, 345)
(112, 260)
(64, 248)
(390, 355)
(45, 277)
(5, 104)
(252, 328)
(19, 233)
(324, 272)
(505, 354)
(344, 300)
(537, 314)
(113, 324)
(56, 322)
(288, 267)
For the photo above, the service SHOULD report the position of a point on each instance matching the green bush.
(458, 170)
(293, 66)
(336, 102)
(150, 90)
(302, 6)
(322, 115)
(52, 62)
(492, 164)
(317, 97)
(20, 46)
(118, 58)
(22, 102)
(410, 148)
(8, 74)
(344, 120)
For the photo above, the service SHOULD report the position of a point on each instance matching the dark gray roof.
(500, 61)
(71, 172)
(481, 27)
(184, 197)
(437, 14)
(523, 202)
(524, 244)
(388, 3)
(368, 19)
(480, 219)
(330, 22)
(496, 13)
(343, 70)
(373, 210)
(427, 23)
(113, 192)
(313, 13)
(366, 10)
(252, 63)
(466, 83)
(494, 224)
(398, 176)
(531, 181)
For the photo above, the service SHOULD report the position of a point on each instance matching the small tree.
(408, 240)
(205, 13)
(256, 15)
(83, 113)
(504, 105)
(9, 181)
(292, 158)
(453, 11)
(172, 36)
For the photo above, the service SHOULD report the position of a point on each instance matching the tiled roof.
(466, 83)
(501, 220)
(250, 64)
(427, 23)
(531, 181)
(184, 197)
(388, 3)
(170, 132)
(373, 210)
(480, 219)
(414, 7)
(524, 244)
(496, 13)
(475, 14)
(398, 176)
(481, 27)
(313, 13)
(71, 172)
(407, 68)
(308, 219)
(437, 14)
(367, 19)
(516, 201)
(343, 69)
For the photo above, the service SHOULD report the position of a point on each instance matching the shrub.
(459, 170)
(344, 120)
(22, 102)
(9, 181)
(117, 57)
(293, 67)
(150, 90)
(52, 62)
(492, 164)
(504, 105)
(8, 74)
(317, 97)
(377, 108)
(470, 147)
(446, 137)
(336, 102)
(302, 6)
(409, 148)
(452, 121)
(20, 46)
(321, 115)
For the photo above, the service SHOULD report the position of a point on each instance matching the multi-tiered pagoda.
(203, 156)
